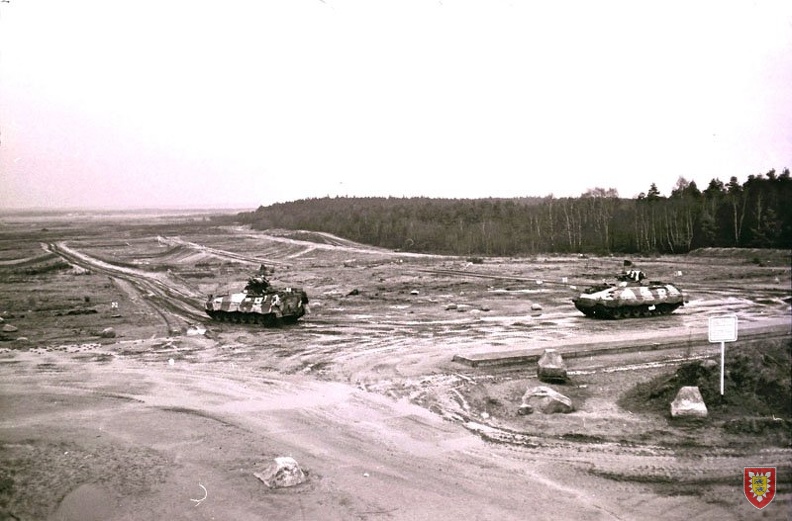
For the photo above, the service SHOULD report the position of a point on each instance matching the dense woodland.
(756, 213)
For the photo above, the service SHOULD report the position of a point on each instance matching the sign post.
(723, 329)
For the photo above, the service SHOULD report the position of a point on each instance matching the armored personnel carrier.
(258, 303)
(631, 297)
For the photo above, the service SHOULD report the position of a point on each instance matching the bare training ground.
(170, 415)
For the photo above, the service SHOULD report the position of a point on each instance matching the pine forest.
(754, 214)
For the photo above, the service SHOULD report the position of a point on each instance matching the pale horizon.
(198, 105)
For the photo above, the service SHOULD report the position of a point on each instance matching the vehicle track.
(174, 305)
(225, 254)
(324, 339)
(538, 280)
(346, 346)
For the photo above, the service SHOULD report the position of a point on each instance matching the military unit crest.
(759, 485)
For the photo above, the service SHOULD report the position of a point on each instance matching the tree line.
(756, 213)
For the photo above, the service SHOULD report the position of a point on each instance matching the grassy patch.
(757, 384)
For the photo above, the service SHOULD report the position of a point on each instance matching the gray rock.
(282, 472)
(8, 328)
(108, 332)
(536, 307)
(546, 400)
(194, 330)
(525, 409)
(551, 367)
(688, 404)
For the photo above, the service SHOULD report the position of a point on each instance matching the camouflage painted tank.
(259, 303)
(632, 297)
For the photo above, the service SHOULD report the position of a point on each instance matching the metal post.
(723, 363)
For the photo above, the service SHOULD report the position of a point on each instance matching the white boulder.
(688, 404)
(282, 472)
(545, 400)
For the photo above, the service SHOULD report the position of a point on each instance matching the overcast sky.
(170, 103)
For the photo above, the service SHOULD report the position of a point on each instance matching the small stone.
(536, 307)
(108, 332)
(525, 409)
(195, 330)
(283, 472)
(8, 328)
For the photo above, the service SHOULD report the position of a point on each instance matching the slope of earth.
(363, 391)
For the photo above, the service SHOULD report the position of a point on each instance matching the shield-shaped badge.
(759, 485)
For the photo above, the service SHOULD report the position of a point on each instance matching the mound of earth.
(757, 390)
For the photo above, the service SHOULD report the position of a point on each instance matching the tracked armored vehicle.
(631, 297)
(258, 303)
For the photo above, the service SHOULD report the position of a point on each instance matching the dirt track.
(363, 392)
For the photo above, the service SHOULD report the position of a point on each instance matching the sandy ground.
(172, 417)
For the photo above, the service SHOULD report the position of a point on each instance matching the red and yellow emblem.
(759, 485)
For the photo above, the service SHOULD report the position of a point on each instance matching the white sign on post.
(723, 329)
